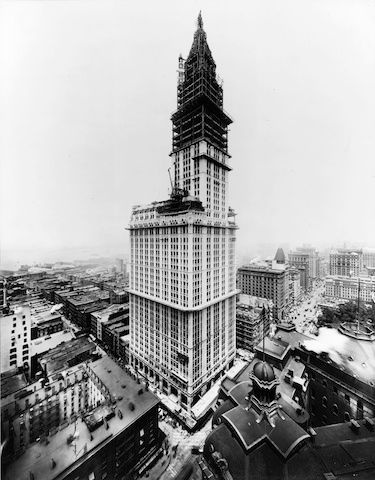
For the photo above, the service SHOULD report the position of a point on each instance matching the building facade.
(266, 282)
(295, 291)
(345, 263)
(301, 261)
(182, 271)
(350, 287)
(252, 322)
(117, 313)
(369, 258)
(313, 260)
(15, 339)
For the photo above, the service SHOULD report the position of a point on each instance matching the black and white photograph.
(187, 239)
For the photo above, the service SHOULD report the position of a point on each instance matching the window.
(335, 409)
(324, 401)
(347, 417)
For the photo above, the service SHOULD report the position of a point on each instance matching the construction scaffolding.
(200, 114)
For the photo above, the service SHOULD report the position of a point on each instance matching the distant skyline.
(86, 93)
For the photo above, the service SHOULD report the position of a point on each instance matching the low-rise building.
(46, 323)
(262, 423)
(350, 288)
(252, 321)
(118, 313)
(80, 307)
(124, 348)
(89, 420)
(341, 375)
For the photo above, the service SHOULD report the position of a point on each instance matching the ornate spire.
(200, 49)
(198, 87)
(200, 21)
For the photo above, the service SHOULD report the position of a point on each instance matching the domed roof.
(264, 372)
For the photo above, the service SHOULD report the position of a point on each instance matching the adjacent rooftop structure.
(66, 355)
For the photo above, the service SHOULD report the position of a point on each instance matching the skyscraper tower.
(182, 278)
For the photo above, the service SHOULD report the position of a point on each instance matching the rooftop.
(283, 450)
(85, 299)
(280, 255)
(353, 356)
(103, 315)
(37, 458)
(274, 347)
(43, 344)
(63, 355)
(240, 386)
(11, 382)
(118, 328)
(284, 435)
(261, 269)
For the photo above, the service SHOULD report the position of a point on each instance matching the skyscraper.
(346, 263)
(182, 271)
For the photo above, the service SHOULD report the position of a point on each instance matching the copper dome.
(264, 372)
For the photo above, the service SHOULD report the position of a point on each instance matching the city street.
(305, 314)
(180, 447)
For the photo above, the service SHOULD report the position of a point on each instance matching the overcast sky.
(88, 87)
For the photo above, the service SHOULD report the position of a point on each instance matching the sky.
(87, 89)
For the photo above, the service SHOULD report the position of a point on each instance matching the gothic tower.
(182, 278)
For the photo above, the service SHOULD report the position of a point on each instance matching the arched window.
(335, 409)
(347, 417)
(324, 401)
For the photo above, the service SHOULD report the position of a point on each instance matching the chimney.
(312, 433)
